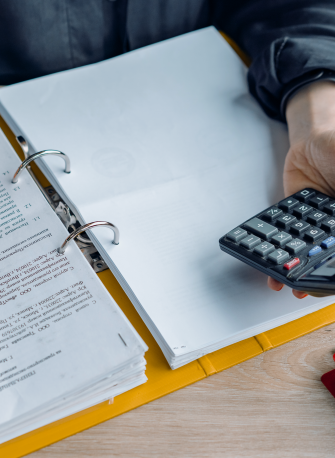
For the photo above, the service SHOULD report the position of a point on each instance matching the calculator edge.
(308, 287)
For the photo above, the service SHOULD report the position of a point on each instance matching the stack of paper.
(64, 343)
(167, 144)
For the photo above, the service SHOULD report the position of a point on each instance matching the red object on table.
(328, 380)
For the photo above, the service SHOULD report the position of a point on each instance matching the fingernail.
(303, 297)
(280, 288)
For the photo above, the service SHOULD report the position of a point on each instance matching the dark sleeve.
(289, 41)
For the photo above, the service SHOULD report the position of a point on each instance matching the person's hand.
(310, 162)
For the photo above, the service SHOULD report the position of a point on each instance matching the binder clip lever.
(83, 228)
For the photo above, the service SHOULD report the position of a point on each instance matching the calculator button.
(330, 241)
(236, 234)
(289, 265)
(278, 256)
(272, 214)
(328, 224)
(281, 239)
(288, 204)
(319, 200)
(258, 227)
(299, 227)
(313, 234)
(295, 246)
(330, 208)
(285, 220)
(315, 250)
(264, 248)
(305, 194)
(250, 242)
(315, 217)
(302, 210)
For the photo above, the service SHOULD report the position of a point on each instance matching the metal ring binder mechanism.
(24, 145)
(83, 228)
(31, 158)
(67, 217)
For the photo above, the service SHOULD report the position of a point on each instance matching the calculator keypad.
(278, 256)
(297, 232)
(264, 248)
(259, 227)
(328, 224)
(302, 210)
(293, 263)
(330, 241)
(316, 217)
(299, 227)
(237, 234)
(285, 221)
(319, 200)
(295, 246)
(272, 214)
(288, 204)
(315, 250)
(250, 241)
(330, 208)
(314, 234)
(281, 239)
(304, 195)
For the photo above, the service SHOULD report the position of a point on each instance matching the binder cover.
(161, 379)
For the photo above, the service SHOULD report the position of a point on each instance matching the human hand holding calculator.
(292, 241)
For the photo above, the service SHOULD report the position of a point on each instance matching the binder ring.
(46, 152)
(83, 228)
(24, 145)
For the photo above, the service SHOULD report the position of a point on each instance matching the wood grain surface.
(272, 406)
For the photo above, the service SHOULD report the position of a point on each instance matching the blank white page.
(167, 144)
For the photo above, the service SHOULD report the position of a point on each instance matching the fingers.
(299, 294)
(275, 285)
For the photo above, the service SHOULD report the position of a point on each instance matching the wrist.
(311, 110)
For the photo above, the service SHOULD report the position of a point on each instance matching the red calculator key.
(290, 264)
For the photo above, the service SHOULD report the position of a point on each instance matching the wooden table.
(272, 406)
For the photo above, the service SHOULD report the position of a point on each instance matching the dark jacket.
(287, 40)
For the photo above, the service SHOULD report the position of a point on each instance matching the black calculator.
(292, 241)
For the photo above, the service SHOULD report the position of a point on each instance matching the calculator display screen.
(324, 271)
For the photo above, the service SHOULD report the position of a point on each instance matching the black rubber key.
(313, 234)
(302, 210)
(285, 221)
(316, 217)
(319, 200)
(288, 204)
(305, 194)
(328, 225)
(299, 227)
(330, 208)
(272, 214)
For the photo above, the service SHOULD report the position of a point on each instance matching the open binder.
(167, 143)
(161, 379)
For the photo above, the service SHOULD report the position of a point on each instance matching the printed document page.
(63, 340)
(167, 143)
